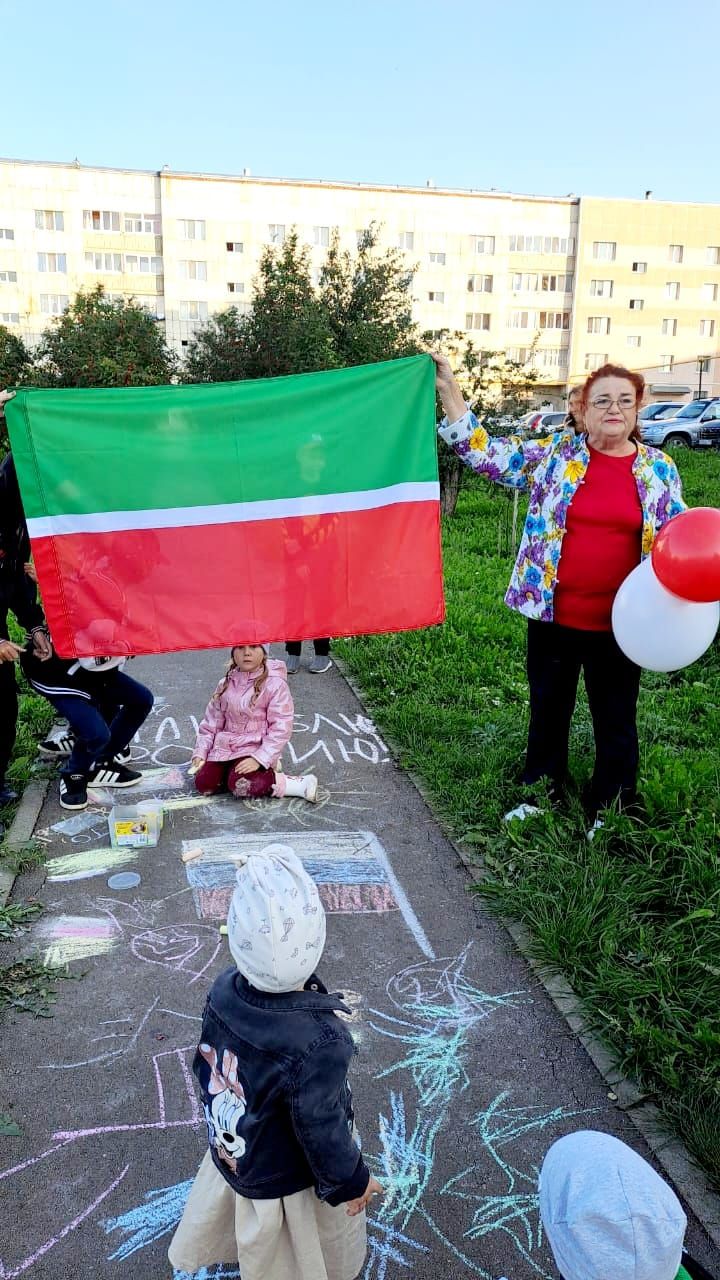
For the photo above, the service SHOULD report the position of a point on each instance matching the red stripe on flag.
(160, 590)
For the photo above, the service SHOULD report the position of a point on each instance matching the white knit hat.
(276, 921)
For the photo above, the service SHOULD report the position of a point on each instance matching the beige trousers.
(295, 1238)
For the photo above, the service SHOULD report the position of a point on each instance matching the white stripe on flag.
(234, 512)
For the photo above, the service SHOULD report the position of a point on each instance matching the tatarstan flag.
(189, 517)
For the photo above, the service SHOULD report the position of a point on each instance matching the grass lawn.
(632, 919)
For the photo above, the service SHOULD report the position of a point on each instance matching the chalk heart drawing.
(174, 946)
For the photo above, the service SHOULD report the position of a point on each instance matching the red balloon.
(686, 554)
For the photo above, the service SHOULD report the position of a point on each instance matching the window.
(477, 320)
(598, 324)
(9, 317)
(605, 250)
(8, 277)
(707, 328)
(595, 360)
(553, 357)
(554, 319)
(704, 365)
(234, 246)
(7, 233)
(191, 229)
(49, 220)
(192, 269)
(710, 293)
(437, 259)
(406, 240)
(637, 304)
(518, 354)
(525, 282)
(669, 328)
(601, 288)
(523, 320)
(53, 304)
(436, 295)
(675, 253)
(52, 262)
(712, 255)
(321, 236)
(276, 232)
(556, 284)
(141, 223)
(236, 286)
(639, 268)
(193, 310)
(100, 220)
(484, 244)
(541, 244)
(480, 284)
(105, 262)
(672, 290)
(143, 262)
(633, 340)
(666, 364)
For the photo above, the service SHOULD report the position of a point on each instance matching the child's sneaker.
(123, 757)
(56, 748)
(73, 791)
(305, 787)
(110, 774)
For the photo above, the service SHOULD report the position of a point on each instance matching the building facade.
(562, 283)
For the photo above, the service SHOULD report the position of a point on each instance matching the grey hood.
(606, 1213)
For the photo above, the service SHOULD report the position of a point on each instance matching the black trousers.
(555, 657)
(8, 714)
(322, 647)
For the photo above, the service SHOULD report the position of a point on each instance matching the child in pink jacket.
(247, 722)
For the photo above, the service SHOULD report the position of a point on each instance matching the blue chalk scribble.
(159, 1214)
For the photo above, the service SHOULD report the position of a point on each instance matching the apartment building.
(561, 282)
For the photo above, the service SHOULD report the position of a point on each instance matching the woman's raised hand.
(451, 397)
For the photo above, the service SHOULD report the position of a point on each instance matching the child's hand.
(195, 766)
(373, 1188)
(249, 765)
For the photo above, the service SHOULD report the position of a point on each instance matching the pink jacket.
(232, 729)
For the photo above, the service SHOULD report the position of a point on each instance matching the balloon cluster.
(667, 610)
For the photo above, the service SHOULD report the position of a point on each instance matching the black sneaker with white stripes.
(111, 774)
(56, 748)
(73, 791)
(123, 757)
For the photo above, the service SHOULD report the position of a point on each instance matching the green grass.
(34, 721)
(633, 919)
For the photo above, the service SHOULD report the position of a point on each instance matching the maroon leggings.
(219, 775)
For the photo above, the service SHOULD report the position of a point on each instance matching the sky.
(532, 96)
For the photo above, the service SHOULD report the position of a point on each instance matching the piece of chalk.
(223, 928)
(189, 854)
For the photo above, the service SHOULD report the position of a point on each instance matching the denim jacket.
(550, 471)
(272, 1071)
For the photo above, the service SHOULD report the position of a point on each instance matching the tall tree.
(102, 343)
(288, 330)
(15, 369)
(220, 350)
(368, 301)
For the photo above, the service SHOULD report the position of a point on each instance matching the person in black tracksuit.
(18, 595)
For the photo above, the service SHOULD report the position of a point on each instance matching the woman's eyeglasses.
(606, 402)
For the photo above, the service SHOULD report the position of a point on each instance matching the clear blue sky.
(541, 96)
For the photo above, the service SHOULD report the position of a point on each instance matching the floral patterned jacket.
(550, 470)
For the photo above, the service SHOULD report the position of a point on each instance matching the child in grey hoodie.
(608, 1215)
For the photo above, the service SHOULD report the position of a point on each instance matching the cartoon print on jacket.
(227, 1107)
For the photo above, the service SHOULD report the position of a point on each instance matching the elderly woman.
(597, 499)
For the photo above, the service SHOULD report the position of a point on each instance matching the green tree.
(101, 343)
(288, 330)
(368, 301)
(15, 369)
(219, 351)
(496, 389)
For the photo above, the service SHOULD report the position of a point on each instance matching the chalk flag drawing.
(76, 938)
(351, 869)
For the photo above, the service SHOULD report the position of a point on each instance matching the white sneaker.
(305, 787)
(597, 825)
(522, 812)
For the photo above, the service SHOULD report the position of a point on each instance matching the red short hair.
(616, 371)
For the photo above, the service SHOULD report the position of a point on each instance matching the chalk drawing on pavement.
(129, 1038)
(70, 938)
(351, 869)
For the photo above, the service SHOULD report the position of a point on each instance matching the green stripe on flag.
(144, 448)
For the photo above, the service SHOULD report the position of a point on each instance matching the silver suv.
(697, 425)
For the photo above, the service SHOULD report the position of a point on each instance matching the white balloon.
(655, 628)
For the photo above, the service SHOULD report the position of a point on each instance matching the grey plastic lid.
(124, 880)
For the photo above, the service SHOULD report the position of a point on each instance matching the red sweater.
(602, 543)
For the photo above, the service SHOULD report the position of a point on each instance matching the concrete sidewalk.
(465, 1071)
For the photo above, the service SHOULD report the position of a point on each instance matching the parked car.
(660, 409)
(540, 422)
(696, 425)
